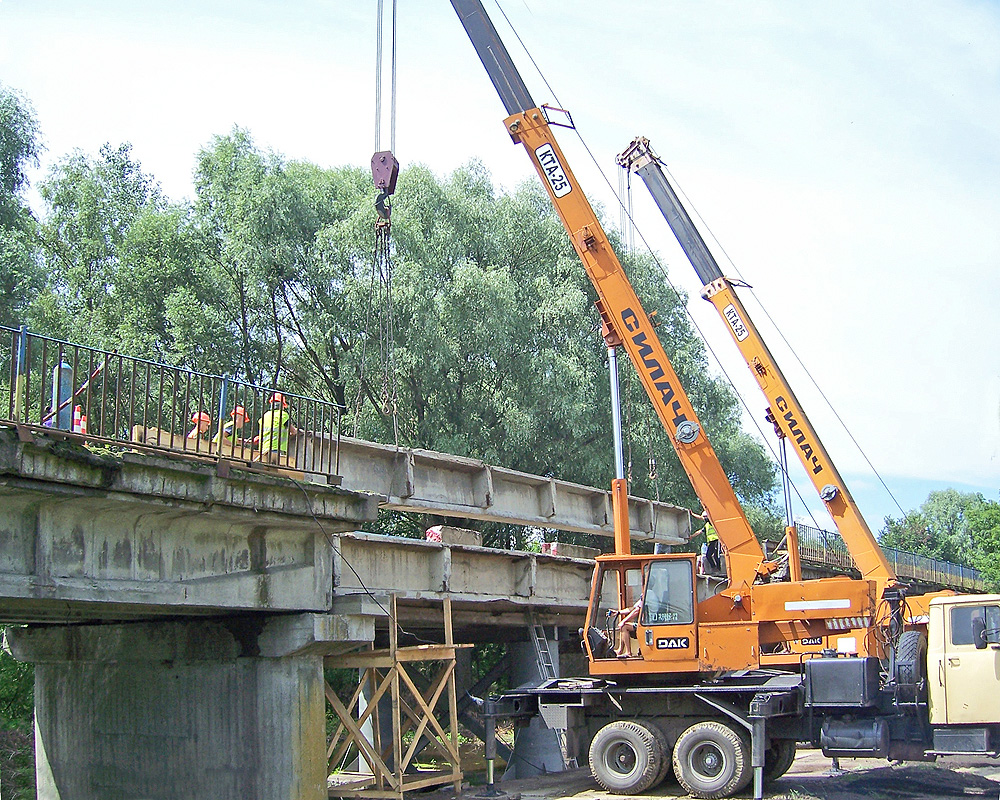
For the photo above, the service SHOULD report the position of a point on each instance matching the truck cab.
(684, 624)
(963, 666)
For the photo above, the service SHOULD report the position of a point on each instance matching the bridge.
(183, 595)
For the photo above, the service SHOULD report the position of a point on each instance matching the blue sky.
(846, 155)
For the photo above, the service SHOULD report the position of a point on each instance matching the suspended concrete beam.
(453, 486)
(489, 588)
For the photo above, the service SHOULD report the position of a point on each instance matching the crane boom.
(620, 308)
(786, 410)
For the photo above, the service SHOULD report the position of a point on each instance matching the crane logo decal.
(673, 643)
(668, 398)
(798, 435)
(553, 171)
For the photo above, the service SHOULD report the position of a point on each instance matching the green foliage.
(17, 682)
(20, 273)
(984, 524)
(17, 764)
(484, 344)
(940, 528)
(767, 521)
(19, 149)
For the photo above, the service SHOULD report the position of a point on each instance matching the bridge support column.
(536, 747)
(227, 709)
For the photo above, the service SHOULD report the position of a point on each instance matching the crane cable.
(379, 59)
(385, 169)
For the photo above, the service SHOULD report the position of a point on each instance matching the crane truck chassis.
(718, 733)
(727, 680)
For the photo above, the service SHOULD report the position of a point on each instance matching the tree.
(484, 343)
(940, 528)
(20, 274)
(984, 524)
(126, 268)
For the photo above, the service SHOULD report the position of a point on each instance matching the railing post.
(62, 393)
(19, 380)
(223, 403)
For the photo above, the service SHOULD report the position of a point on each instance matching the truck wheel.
(778, 758)
(711, 760)
(625, 757)
(911, 667)
(661, 739)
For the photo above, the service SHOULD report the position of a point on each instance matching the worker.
(228, 435)
(627, 620)
(711, 547)
(275, 428)
(202, 425)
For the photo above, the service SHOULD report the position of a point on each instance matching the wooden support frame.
(389, 674)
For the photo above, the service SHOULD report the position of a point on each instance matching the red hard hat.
(278, 397)
(239, 411)
(201, 416)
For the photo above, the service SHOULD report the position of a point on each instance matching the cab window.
(669, 598)
(961, 623)
(609, 598)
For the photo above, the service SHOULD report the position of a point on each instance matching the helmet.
(201, 416)
(239, 411)
(278, 397)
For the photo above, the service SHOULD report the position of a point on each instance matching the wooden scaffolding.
(391, 673)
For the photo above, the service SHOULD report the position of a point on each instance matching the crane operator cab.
(642, 613)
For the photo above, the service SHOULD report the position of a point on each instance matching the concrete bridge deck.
(85, 536)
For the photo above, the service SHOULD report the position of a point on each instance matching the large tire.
(911, 667)
(778, 758)
(625, 757)
(661, 739)
(712, 760)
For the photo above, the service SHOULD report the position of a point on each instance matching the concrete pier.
(536, 747)
(227, 710)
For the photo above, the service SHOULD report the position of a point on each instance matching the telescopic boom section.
(619, 306)
(785, 408)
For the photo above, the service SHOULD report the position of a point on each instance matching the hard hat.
(201, 416)
(278, 397)
(239, 411)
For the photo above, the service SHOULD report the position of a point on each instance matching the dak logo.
(673, 643)
(812, 640)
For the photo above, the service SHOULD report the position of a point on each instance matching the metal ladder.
(547, 670)
(543, 655)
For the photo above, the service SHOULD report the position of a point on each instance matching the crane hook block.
(385, 170)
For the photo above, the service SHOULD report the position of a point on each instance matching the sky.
(845, 156)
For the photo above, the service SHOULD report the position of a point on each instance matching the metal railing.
(98, 396)
(828, 549)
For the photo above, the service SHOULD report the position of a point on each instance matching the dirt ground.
(810, 778)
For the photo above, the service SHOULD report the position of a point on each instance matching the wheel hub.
(708, 760)
(623, 759)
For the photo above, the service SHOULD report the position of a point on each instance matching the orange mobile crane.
(726, 680)
(749, 622)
